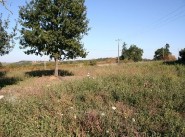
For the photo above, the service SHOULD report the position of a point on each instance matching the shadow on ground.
(5, 81)
(40, 73)
(174, 62)
(2, 73)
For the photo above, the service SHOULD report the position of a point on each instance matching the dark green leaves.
(162, 53)
(6, 39)
(54, 28)
(132, 53)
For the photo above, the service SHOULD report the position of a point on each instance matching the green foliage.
(124, 52)
(182, 54)
(132, 53)
(1, 65)
(162, 53)
(6, 39)
(90, 62)
(54, 28)
(120, 104)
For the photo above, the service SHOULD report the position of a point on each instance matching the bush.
(182, 54)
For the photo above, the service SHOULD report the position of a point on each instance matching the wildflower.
(1, 96)
(114, 108)
(133, 120)
(88, 74)
(71, 107)
(75, 117)
(60, 114)
(102, 114)
(107, 131)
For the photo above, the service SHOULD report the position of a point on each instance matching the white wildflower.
(133, 120)
(71, 107)
(114, 108)
(88, 74)
(1, 96)
(60, 114)
(102, 114)
(75, 117)
(107, 131)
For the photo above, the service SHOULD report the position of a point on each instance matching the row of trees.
(134, 53)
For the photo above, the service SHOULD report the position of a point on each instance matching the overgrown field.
(134, 99)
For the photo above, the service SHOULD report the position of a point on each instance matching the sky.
(148, 24)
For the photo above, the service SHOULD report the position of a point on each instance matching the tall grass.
(127, 100)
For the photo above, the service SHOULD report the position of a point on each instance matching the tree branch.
(2, 1)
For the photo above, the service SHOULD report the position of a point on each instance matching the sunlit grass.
(136, 99)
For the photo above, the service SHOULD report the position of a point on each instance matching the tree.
(6, 39)
(132, 53)
(54, 28)
(182, 54)
(162, 53)
(124, 51)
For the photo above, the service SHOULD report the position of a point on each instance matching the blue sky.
(149, 24)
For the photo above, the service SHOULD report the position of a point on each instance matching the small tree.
(162, 53)
(124, 52)
(132, 53)
(54, 28)
(182, 54)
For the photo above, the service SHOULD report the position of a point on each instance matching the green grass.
(149, 99)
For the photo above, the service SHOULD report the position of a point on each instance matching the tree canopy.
(54, 28)
(182, 54)
(162, 53)
(132, 53)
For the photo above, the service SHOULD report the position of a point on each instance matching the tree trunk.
(56, 67)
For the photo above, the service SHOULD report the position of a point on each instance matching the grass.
(135, 99)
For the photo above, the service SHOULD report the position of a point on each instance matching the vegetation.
(162, 53)
(182, 54)
(54, 28)
(6, 39)
(137, 99)
(132, 53)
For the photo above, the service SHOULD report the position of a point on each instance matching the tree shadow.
(2, 73)
(177, 62)
(40, 73)
(5, 81)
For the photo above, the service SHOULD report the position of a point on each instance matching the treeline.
(135, 53)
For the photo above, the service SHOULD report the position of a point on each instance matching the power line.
(168, 18)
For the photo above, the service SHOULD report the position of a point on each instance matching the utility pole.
(118, 40)
(163, 53)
